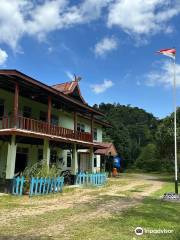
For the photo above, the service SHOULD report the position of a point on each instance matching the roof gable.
(71, 89)
(107, 149)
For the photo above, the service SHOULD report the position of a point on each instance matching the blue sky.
(111, 44)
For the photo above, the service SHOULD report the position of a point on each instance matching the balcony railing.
(43, 128)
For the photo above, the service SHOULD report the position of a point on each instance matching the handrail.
(39, 126)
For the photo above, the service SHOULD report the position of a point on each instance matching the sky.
(111, 44)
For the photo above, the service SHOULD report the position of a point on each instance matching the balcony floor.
(21, 132)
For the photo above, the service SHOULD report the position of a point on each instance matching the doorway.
(21, 160)
(83, 162)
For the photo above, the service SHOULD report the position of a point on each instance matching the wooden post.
(75, 124)
(49, 109)
(92, 127)
(74, 160)
(16, 103)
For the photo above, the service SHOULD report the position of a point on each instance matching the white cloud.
(45, 18)
(3, 56)
(38, 18)
(92, 9)
(142, 17)
(163, 75)
(102, 87)
(12, 21)
(105, 45)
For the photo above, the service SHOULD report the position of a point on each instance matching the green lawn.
(93, 213)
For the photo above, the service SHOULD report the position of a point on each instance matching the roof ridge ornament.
(77, 78)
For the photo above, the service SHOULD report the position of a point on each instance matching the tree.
(149, 158)
(132, 129)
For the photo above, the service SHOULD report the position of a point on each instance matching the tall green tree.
(132, 128)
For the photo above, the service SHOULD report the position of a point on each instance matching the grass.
(151, 214)
(76, 221)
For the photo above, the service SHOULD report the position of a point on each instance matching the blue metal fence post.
(44, 185)
(31, 186)
(22, 181)
(40, 186)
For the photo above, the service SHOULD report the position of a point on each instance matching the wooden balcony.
(37, 126)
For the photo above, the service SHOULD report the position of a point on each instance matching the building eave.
(20, 132)
(15, 73)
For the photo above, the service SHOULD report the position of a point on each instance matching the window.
(95, 134)
(95, 162)
(27, 111)
(1, 107)
(69, 159)
(54, 120)
(43, 116)
(80, 127)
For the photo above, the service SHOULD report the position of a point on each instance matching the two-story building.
(52, 123)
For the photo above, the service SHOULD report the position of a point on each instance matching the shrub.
(41, 169)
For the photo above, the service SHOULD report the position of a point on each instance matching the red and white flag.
(170, 52)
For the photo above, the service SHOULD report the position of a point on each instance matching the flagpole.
(175, 127)
(171, 52)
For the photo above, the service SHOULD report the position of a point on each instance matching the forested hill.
(136, 132)
(132, 129)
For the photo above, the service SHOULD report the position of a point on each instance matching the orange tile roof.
(67, 87)
(106, 149)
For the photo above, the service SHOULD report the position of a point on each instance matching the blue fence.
(18, 185)
(37, 186)
(91, 179)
